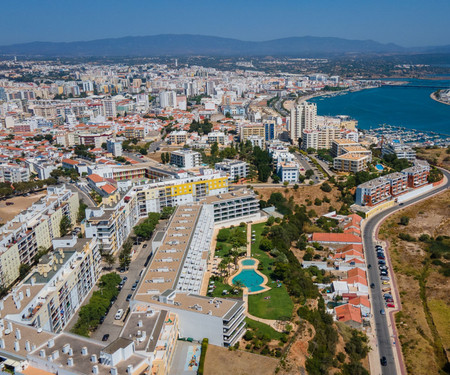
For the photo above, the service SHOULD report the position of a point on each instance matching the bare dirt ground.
(221, 361)
(20, 203)
(437, 156)
(414, 328)
(302, 194)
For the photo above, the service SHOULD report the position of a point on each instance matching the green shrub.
(201, 365)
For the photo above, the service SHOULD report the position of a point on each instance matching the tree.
(310, 150)
(23, 270)
(64, 225)
(223, 235)
(325, 187)
(404, 220)
(214, 150)
(167, 212)
(109, 259)
(81, 212)
(309, 173)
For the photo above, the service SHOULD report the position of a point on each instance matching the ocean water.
(406, 106)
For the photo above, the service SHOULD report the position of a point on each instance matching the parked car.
(144, 246)
(382, 312)
(105, 337)
(129, 297)
(119, 314)
(372, 285)
(381, 262)
(9, 203)
(381, 257)
(124, 279)
(385, 278)
(383, 361)
(387, 295)
(133, 288)
(383, 273)
(382, 268)
(386, 282)
(389, 300)
(369, 266)
(390, 305)
(102, 319)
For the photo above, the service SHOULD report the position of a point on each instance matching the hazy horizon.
(410, 23)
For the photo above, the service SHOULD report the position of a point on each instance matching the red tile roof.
(360, 300)
(109, 188)
(95, 178)
(70, 161)
(345, 313)
(335, 238)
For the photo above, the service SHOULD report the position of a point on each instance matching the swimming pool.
(379, 167)
(250, 279)
(248, 262)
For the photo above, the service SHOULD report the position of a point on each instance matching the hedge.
(202, 357)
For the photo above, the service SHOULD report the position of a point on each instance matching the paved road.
(385, 342)
(110, 325)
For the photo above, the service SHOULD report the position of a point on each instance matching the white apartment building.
(109, 108)
(288, 171)
(234, 168)
(303, 117)
(114, 147)
(175, 275)
(34, 228)
(14, 173)
(240, 205)
(185, 158)
(401, 150)
(54, 290)
(168, 99)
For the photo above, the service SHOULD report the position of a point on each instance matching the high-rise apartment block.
(303, 117)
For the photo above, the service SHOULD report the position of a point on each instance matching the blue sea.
(406, 106)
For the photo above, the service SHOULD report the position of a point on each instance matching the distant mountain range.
(185, 44)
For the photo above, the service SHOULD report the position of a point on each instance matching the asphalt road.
(385, 342)
(112, 326)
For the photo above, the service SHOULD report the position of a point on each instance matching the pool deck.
(254, 267)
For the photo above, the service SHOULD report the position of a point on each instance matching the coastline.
(433, 96)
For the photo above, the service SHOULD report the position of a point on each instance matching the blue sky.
(405, 22)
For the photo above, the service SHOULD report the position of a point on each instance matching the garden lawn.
(280, 305)
(220, 287)
(264, 329)
(227, 246)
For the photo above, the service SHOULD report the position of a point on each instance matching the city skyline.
(418, 24)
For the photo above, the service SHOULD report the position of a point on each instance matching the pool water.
(379, 167)
(250, 279)
(248, 262)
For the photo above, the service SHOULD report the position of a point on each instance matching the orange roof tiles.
(95, 178)
(360, 300)
(348, 312)
(355, 280)
(70, 161)
(335, 238)
(356, 272)
(109, 188)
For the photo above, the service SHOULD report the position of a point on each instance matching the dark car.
(105, 337)
(369, 266)
(382, 312)
(144, 246)
(372, 285)
(102, 319)
(381, 257)
(387, 295)
(383, 361)
(124, 279)
(382, 262)
(129, 297)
